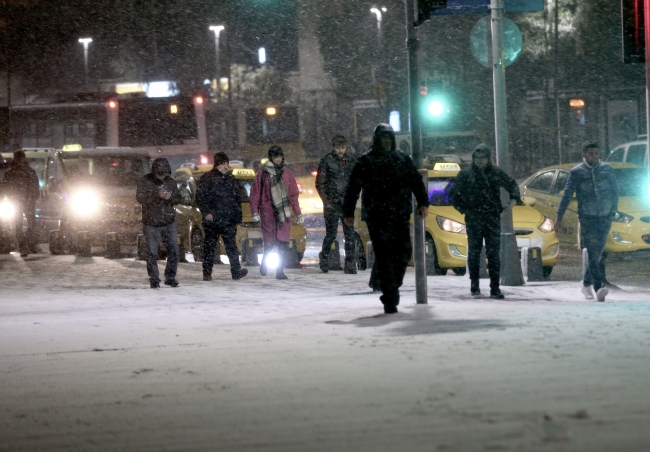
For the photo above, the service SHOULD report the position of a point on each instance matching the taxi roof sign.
(440, 166)
(243, 172)
(72, 147)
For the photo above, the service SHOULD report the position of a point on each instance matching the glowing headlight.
(7, 210)
(84, 202)
(547, 225)
(450, 225)
(621, 217)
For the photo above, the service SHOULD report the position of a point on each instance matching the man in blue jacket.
(596, 189)
(217, 195)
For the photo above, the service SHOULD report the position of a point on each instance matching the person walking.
(20, 184)
(331, 182)
(274, 201)
(157, 192)
(476, 193)
(388, 179)
(218, 199)
(596, 190)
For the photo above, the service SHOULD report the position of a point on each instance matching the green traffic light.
(437, 108)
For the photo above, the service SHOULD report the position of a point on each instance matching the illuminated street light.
(261, 55)
(377, 13)
(85, 42)
(217, 30)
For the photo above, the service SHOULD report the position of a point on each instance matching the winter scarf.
(279, 195)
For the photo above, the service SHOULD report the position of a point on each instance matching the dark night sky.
(137, 39)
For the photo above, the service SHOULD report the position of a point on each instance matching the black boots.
(207, 277)
(239, 274)
(154, 284)
(350, 267)
(323, 262)
(171, 282)
(496, 294)
(283, 252)
(475, 288)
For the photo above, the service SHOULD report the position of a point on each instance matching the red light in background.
(204, 160)
(299, 188)
(112, 104)
(199, 99)
(314, 173)
(114, 164)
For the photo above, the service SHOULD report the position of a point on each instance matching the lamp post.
(217, 30)
(85, 42)
(377, 13)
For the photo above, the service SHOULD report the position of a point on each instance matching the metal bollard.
(83, 244)
(112, 246)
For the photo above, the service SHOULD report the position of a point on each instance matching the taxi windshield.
(632, 181)
(438, 191)
(107, 170)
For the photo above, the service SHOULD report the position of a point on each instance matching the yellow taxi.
(305, 174)
(631, 227)
(249, 234)
(98, 207)
(446, 237)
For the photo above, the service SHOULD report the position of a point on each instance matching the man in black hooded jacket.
(388, 179)
(20, 184)
(476, 193)
(157, 192)
(217, 195)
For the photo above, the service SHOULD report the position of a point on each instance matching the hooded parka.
(155, 210)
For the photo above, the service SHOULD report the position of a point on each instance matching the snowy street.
(92, 359)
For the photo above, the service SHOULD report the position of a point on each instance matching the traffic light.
(425, 7)
(435, 101)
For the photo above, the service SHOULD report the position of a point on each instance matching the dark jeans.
(391, 241)
(488, 228)
(332, 217)
(594, 235)
(152, 235)
(27, 239)
(211, 242)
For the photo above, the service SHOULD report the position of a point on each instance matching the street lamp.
(377, 13)
(85, 42)
(217, 29)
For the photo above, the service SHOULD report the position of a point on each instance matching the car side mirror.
(529, 200)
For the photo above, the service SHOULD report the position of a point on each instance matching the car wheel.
(460, 271)
(197, 245)
(546, 271)
(432, 258)
(359, 253)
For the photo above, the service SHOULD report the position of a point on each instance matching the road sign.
(481, 41)
(483, 7)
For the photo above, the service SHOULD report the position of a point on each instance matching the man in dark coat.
(20, 185)
(388, 179)
(157, 192)
(331, 182)
(476, 193)
(217, 195)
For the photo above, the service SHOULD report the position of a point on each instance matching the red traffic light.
(198, 99)
(112, 104)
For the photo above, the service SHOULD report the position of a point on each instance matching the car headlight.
(621, 217)
(547, 225)
(84, 202)
(7, 210)
(450, 225)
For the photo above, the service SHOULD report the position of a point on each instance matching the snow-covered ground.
(92, 359)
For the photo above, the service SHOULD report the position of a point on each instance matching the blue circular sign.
(481, 41)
